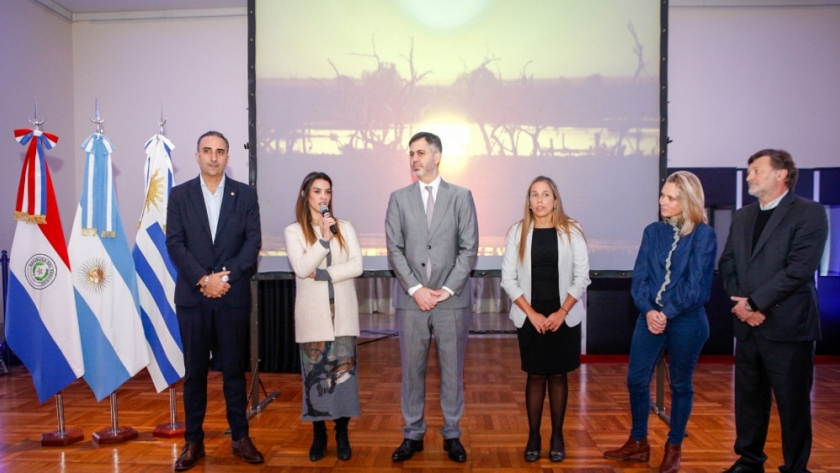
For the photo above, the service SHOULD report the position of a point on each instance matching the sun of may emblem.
(94, 275)
(40, 271)
(154, 195)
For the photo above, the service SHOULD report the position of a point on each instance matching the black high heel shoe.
(533, 455)
(558, 454)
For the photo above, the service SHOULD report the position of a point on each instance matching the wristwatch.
(748, 306)
(206, 281)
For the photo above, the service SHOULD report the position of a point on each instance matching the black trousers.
(210, 328)
(787, 370)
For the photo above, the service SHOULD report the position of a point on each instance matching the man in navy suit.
(767, 266)
(432, 237)
(213, 237)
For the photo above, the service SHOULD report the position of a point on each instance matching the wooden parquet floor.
(494, 425)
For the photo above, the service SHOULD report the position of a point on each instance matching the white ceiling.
(80, 10)
(102, 6)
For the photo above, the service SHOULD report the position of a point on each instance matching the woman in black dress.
(545, 272)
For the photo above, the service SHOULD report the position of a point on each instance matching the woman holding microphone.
(325, 256)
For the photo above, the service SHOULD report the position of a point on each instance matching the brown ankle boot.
(671, 461)
(631, 450)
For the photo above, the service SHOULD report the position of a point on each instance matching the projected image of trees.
(516, 116)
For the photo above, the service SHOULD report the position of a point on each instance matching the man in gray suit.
(432, 238)
(767, 267)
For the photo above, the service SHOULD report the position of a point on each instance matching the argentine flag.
(41, 323)
(156, 275)
(104, 278)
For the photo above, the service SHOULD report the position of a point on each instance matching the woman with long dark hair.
(325, 256)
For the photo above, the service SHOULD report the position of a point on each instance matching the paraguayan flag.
(41, 323)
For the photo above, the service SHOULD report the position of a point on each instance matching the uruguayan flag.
(104, 278)
(41, 323)
(155, 273)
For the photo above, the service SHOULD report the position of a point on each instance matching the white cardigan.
(572, 266)
(312, 300)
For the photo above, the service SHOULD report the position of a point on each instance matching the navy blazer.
(195, 254)
(692, 268)
(778, 275)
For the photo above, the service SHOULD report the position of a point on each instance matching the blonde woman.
(545, 272)
(326, 257)
(672, 280)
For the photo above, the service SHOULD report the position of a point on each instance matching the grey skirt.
(330, 385)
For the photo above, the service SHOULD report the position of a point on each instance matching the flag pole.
(114, 434)
(98, 245)
(62, 436)
(40, 238)
(158, 171)
(173, 429)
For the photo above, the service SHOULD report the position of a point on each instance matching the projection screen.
(569, 89)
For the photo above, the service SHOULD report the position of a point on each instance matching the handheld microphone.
(325, 211)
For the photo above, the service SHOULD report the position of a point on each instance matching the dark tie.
(430, 211)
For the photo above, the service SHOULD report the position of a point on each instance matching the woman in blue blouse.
(672, 280)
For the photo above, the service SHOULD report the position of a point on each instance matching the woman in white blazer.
(545, 272)
(325, 256)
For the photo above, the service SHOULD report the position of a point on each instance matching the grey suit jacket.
(451, 243)
(779, 273)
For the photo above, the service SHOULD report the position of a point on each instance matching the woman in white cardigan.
(325, 256)
(545, 271)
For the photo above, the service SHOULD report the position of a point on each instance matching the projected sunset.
(568, 89)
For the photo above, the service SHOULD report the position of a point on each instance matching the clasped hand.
(427, 298)
(753, 319)
(545, 324)
(656, 321)
(215, 287)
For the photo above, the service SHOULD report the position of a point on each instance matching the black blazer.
(779, 274)
(191, 247)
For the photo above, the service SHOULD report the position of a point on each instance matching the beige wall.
(36, 60)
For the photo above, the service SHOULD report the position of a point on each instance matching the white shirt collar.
(774, 203)
(221, 184)
(435, 186)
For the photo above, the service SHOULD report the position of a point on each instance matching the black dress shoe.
(189, 456)
(532, 456)
(455, 449)
(736, 468)
(244, 448)
(407, 449)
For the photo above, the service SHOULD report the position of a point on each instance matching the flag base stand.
(114, 434)
(111, 436)
(169, 431)
(62, 438)
(174, 428)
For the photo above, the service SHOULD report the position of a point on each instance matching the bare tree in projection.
(375, 105)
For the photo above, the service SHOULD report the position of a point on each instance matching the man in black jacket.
(767, 266)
